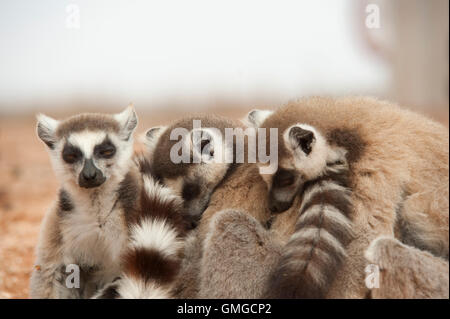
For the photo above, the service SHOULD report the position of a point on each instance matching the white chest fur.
(94, 235)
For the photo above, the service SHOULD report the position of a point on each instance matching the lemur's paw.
(405, 271)
(383, 250)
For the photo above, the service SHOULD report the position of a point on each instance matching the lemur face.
(302, 156)
(88, 150)
(197, 186)
(194, 182)
(305, 159)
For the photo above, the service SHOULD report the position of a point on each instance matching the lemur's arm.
(238, 255)
(47, 279)
(407, 272)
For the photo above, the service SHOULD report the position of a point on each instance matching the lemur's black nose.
(89, 170)
(90, 176)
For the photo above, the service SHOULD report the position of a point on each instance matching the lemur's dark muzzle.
(90, 176)
(277, 207)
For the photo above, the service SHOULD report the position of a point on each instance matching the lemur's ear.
(256, 117)
(151, 137)
(128, 121)
(303, 137)
(46, 128)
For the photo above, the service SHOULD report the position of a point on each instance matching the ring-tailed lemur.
(194, 182)
(110, 219)
(206, 185)
(84, 234)
(315, 252)
(151, 261)
(398, 173)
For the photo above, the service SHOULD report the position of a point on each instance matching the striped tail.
(157, 229)
(316, 250)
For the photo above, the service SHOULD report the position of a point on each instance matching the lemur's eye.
(105, 150)
(71, 154)
(190, 191)
(283, 178)
(107, 153)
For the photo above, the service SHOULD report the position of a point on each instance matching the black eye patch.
(71, 154)
(105, 150)
(283, 178)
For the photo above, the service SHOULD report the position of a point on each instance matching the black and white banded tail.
(316, 250)
(152, 261)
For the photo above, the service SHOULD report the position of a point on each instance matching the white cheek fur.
(64, 172)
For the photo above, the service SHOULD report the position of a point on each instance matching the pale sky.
(151, 50)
